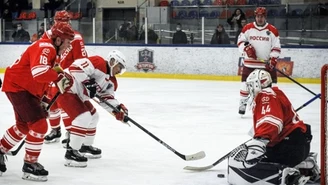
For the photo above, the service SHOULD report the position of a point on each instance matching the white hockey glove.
(250, 152)
(256, 150)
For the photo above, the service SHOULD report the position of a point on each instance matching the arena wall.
(200, 62)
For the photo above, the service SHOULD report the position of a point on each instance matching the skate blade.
(71, 163)
(303, 180)
(90, 156)
(64, 145)
(56, 140)
(31, 177)
(1, 173)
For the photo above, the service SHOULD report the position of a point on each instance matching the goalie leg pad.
(265, 173)
(261, 173)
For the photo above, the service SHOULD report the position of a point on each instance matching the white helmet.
(258, 80)
(119, 58)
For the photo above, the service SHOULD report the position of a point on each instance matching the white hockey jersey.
(265, 41)
(93, 67)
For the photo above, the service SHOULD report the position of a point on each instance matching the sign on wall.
(283, 64)
(145, 60)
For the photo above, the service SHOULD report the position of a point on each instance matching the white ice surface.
(188, 115)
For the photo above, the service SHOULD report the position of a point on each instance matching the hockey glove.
(45, 100)
(256, 149)
(250, 51)
(122, 115)
(91, 87)
(58, 69)
(271, 64)
(64, 82)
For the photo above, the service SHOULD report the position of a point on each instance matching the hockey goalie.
(278, 153)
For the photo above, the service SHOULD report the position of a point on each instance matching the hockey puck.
(220, 175)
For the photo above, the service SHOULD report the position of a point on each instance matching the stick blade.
(201, 168)
(196, 156)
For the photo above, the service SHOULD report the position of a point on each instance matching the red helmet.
(62, 30)
(260, 11)
(62, 16)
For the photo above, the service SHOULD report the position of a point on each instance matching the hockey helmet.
(258, 80)
(118, 58)
(62, 30)
(62, 16)
(260, 11)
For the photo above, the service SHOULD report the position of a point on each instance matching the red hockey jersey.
(75, 51)
(33, 71)
(274, 117)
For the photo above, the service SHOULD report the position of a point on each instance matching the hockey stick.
(196, 156)
(52, 101)
(290, 78)
(202, 168)
(308, 102)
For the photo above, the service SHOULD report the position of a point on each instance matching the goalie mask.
(114, 58)
(258, 80)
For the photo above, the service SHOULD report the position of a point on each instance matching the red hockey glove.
(250, 51)
(91, 87)
(64, 82)
(122, 115)
(271, 64)
(45, 101)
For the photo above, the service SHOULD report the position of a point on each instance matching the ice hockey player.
(278, 153)
(257, 41)
(92, 75)
(75, 51)
(25, 83)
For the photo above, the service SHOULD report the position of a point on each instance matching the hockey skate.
(292, 176)
(90, 152)
(66, 140)
(2, 163)
(53, 137)
(310, 168)
(34, 172)
(242, 106)
(75, 159)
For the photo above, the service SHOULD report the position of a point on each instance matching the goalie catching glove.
(122, 114)
(250, 153)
